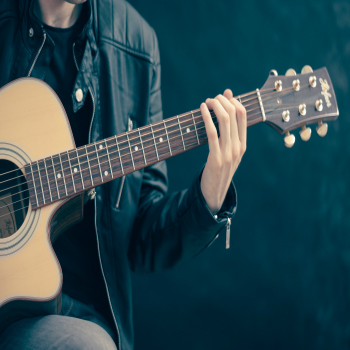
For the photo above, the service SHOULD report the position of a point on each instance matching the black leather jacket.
(143, 228)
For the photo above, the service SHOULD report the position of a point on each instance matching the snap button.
(92, 194)
(215, 217)
(31, 32)
(79, 95)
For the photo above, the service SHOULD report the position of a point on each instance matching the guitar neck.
(75, 171)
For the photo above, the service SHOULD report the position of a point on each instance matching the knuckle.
(228, 158)
(231, 109)
(215, 101)
(243, 149)
(236, 152)
(212, 134)
(225, 117)
(242, 112)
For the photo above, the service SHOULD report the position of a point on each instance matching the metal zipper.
(228, 233)
(37, 55)
(130, 125)
(95, 204)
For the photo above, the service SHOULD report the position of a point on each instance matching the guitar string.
(48, 183)
(24, 207)
(160, 147)
(169, 119)
(107, 154)
(195, 143)
(187, 114)
(192, 144)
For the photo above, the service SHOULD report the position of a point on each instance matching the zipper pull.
(228, 233)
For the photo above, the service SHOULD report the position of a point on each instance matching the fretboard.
(75, 171)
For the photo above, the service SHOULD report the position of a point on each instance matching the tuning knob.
(322, 129)
(306, 70)
(319, 105)
(291, 72)
(273, 72)
(305, 133)
(289, 140)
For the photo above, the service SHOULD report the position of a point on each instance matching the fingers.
(228, 94)
(223, 118)
(231, 109)
(241, 117)
(232, 118)
(210, 129)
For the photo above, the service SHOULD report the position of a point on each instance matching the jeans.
(79, 326)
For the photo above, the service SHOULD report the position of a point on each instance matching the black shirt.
(76, 248)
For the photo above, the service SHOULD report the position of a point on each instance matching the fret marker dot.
(161, 139)
(75, 170)
(101, 147)
(106, 173)
(188, 130)
(136, 148)
(58, 175)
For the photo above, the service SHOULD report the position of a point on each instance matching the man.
(102, 60)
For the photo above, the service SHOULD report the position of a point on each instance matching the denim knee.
(58, 332)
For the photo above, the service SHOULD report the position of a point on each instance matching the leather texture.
(119, 68)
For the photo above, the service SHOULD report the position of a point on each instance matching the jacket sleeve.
(172, 227)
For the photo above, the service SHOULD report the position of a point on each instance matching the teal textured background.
(284, 284)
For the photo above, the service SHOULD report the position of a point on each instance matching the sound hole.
(14, 198)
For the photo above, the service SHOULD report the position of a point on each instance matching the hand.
(225, 152)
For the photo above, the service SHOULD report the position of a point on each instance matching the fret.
(120, 158)
(87, 157)
(64, 177)
(132, 158)
(155, 145)
(195, 127)
(109, 159)
(54, 171)
(98, 160)
(143, 151)
(36, 194)
(81, 173)
(166, 132)
(48, 179)
(71, 172)
(41, 183)
(261, 104)
(178, 121)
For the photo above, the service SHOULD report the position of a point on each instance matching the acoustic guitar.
(43, 176)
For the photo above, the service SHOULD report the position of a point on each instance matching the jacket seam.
(139, 54)
(6, 15)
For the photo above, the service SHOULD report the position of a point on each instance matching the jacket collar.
(85, 48)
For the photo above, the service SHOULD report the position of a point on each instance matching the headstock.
(295, 100)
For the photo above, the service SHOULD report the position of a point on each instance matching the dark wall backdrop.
(285, 282)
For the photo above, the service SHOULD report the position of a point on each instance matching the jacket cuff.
(209, 225)
(229, 206)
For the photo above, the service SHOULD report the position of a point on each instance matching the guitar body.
(33, 125)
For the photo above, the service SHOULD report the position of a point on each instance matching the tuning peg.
(291, 72)
(289, 140)
(319, 105)
(305, 133)
(273, 72)
(306, 70)
(322, 129)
